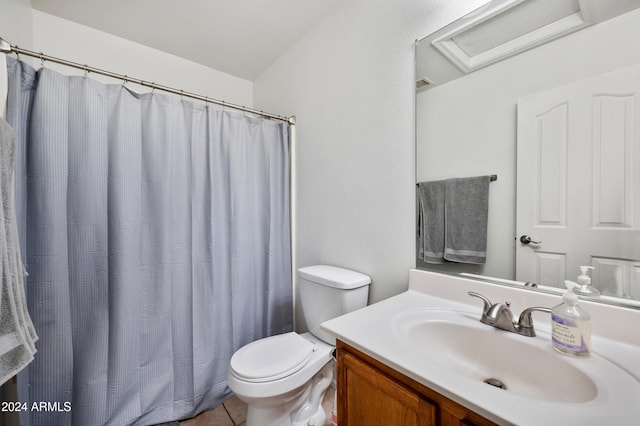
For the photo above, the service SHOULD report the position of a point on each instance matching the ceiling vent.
(422, 83)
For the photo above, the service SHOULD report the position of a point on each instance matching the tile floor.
(234, 413)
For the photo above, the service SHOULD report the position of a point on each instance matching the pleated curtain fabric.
(156, 238)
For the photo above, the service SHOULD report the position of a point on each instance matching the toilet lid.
(271, 358)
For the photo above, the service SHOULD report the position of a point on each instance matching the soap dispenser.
(571, 327)
(583, 287)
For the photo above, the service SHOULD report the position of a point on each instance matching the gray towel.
(431, 221)
(466, 213)
(4, 86)
(17, 335)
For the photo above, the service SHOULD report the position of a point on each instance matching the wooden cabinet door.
(368, 397)
(371, 393)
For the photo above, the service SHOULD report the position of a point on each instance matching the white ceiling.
(239, 37)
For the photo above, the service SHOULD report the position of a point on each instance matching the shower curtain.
(155, 232)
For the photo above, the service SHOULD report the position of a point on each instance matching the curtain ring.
(42, 59)
(86, 71)
(125, 79)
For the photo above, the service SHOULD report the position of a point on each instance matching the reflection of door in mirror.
(578, 177)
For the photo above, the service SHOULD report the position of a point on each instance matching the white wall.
(350, 83)
(78, 43)
(16, 25)
(468, 127)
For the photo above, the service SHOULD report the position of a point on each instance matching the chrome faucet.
(499, 315)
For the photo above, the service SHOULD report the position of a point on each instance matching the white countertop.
(616, 339)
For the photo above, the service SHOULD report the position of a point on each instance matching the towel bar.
(492, 178)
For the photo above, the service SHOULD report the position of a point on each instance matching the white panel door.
(578, 191)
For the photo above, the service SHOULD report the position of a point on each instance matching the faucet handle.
(526, 322)
(487, 302)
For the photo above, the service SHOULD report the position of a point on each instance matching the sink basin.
(432, 335)
(524, 366)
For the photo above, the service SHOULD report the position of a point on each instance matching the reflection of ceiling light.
(509, 28)
(522, 19)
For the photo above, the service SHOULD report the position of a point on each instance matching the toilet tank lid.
(333, 276)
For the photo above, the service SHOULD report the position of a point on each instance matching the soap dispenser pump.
(583, 287)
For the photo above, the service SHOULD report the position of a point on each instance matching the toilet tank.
(326, 292)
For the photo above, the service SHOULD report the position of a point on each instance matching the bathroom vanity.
(424, 358)
(372, 393)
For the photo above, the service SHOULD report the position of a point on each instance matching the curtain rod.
(6, 47)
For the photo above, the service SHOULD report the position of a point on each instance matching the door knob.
(525, 239)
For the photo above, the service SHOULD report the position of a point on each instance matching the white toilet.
(283, 378)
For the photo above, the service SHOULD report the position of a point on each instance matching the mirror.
(471, 77)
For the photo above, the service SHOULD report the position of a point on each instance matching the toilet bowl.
(283, 378)
(272, 394)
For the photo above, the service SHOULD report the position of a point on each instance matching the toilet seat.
(272, 358)
(320, 355)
